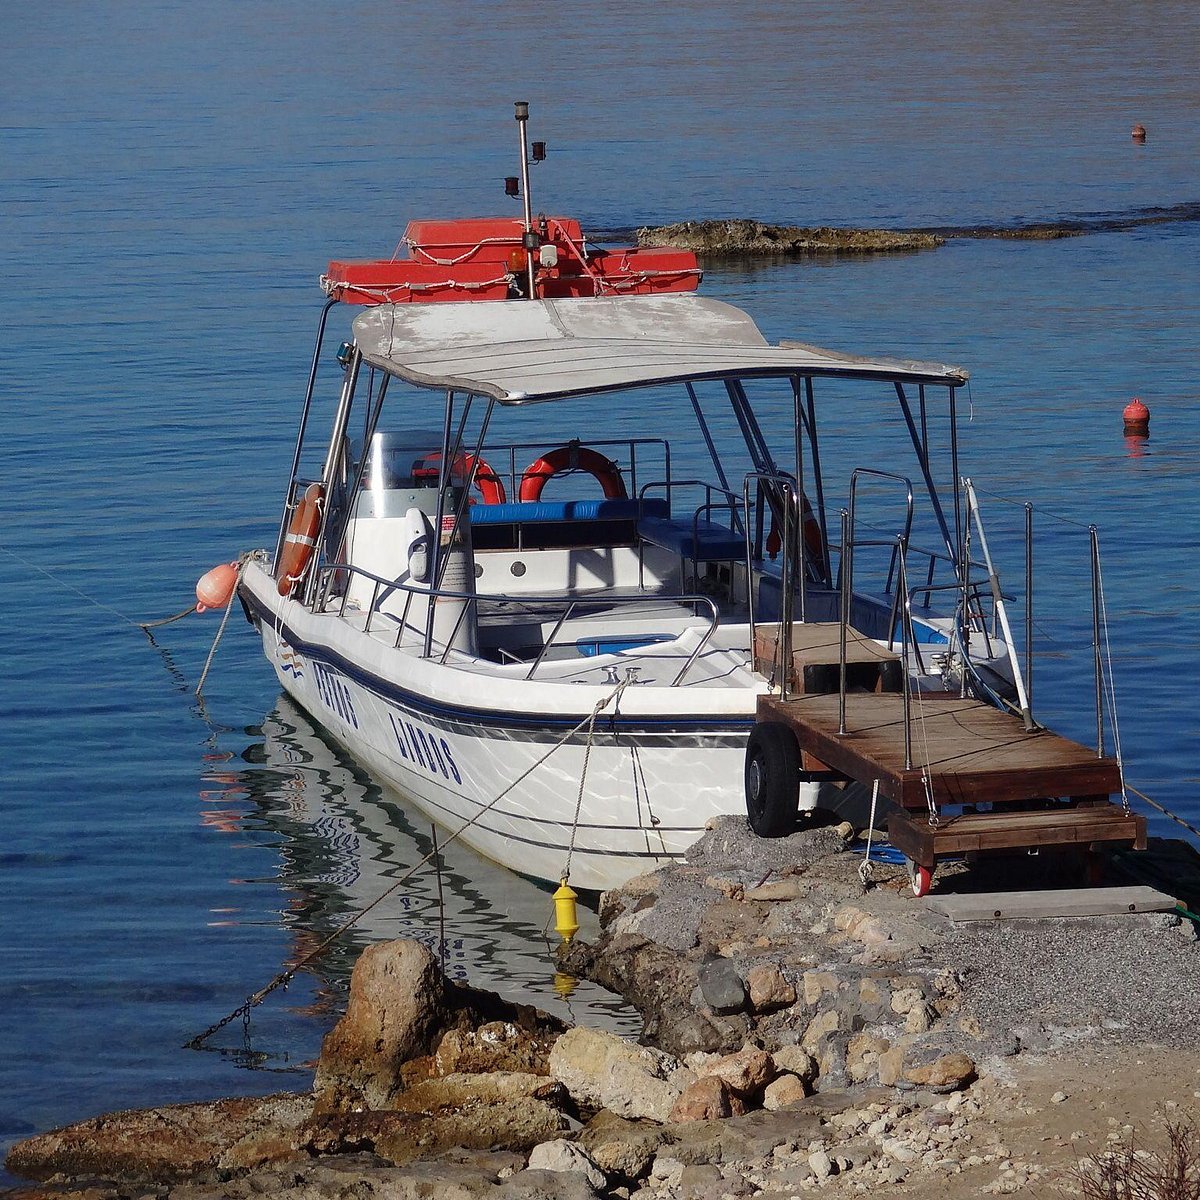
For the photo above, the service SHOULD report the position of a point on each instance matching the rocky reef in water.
(745, 238)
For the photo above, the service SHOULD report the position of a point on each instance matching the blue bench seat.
(526, 512)
(703, 541)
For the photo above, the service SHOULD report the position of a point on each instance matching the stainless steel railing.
(382, 588)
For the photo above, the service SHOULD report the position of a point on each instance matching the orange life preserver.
(489, 485)
(300, 540)
(813, 540)
(573, 457)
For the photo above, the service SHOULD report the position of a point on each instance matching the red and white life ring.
(300, 540)
(489, 485)
(573, 457)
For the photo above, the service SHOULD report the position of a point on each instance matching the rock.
(900, 1151)
(906, 999)
(722, 986)
(707, 1099)
(817, 984)
(564, 1156)
(700, 1180)
(920, 1018)
(168, 1143)
(874, 994)
(402, 1137)
(948, 1071)
(820, 1164)
(862, 1056)
(494, 1046)
(602, 1071)
(784, 1091)
(495, 1087)
(777, 889)
(397, 1011)
(796, 1061)
(768, 988)
(621, 1147)
(1058, 1098)
(745, 1073)
(530, 1185)
(824, 1023)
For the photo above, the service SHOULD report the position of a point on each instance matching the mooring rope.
(285, 977)
(587, 753)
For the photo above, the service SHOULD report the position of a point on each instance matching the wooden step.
(816, 659)
(1061, 825)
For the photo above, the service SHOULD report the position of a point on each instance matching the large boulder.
(399, 1015)
(397, 1011)
(600, 1070)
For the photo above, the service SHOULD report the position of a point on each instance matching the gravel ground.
(1134, 978)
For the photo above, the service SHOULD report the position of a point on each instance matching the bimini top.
(519, 351)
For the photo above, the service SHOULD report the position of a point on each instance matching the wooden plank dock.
(972, 752)
(993, 784)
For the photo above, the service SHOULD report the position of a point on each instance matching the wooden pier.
(976, 781)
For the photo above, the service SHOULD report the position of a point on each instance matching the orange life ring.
(489, 485)
(573, 457)
(814, 542)
(300, 540)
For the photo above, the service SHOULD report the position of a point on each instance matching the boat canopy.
(523, 351)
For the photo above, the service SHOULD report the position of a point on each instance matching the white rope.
(587, 753)
(243, 559)
(1110, 683)
(865, 870)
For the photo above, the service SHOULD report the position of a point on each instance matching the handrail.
(392, 585)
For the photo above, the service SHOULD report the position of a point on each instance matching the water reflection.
(343, 842)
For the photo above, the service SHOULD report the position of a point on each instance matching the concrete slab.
(1070, 902)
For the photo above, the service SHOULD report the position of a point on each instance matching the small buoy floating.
(1137, 419)
(1138, 133)
(214, 588)
(564, 911)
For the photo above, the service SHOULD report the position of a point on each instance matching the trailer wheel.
(920, 878)
(772, 779)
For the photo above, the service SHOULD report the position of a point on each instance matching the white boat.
(572, 678)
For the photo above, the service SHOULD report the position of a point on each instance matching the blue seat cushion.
(523, 512)
(702, 542)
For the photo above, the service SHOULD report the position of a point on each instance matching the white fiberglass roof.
(520, 351)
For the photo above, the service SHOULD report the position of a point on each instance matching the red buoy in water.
(1138, 133)
(215, 587)
(1137, 419)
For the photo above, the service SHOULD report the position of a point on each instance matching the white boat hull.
(508, 773)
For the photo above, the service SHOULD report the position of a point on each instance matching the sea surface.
(173, 179)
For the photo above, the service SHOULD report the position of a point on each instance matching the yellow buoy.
(564, 911)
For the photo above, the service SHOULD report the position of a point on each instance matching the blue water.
(172, 182)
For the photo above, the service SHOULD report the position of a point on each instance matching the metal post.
(787, 579)
(522, 114)
(1029, 602)
(308, 395)
(905, 641)
(1094, 535)
(847, 573)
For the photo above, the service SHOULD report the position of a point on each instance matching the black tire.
(772, 779)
